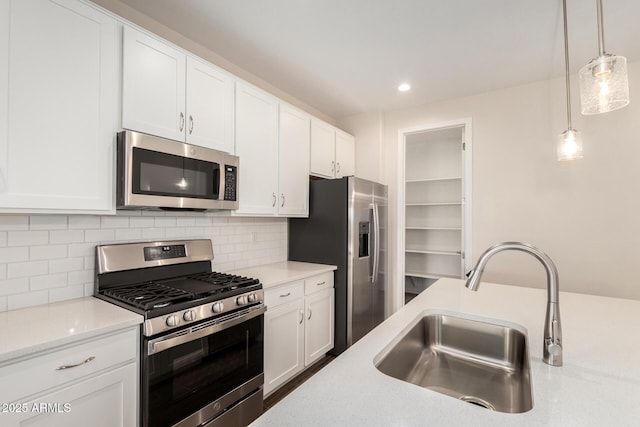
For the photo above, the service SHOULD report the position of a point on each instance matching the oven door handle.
(164, 343)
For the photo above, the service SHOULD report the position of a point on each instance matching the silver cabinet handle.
(309, 318)
(320, 284)
(338, 170)
(181, 121)
(285, 295)
(274, 200)
(301, 316)
(190, 124)
(282, 205)
(84, 362)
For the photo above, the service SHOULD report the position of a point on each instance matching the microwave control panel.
(230, 182)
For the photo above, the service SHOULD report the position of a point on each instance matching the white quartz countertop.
(283, 272)
(599, 384)
(34, 329)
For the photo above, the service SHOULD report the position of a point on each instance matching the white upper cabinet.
(332, 151)
(169, 94)
(153, 86)
(257, 147)
(209, 106)
(58, 115)
(293, 183)
(323, 152)
(345, 154)
(272, 141)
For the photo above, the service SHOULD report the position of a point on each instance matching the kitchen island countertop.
(598, 385)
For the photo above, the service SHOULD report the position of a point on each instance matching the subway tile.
(99, 236)
(14, 286)
(3, 238)
(47, 222)
(65, 265)
(3, 303)
(66, 236)
(175, 233)
(89, 263)
(80, 277)
(47, 252)
(29, 299)
(66, 293)
(88, 289)
(161, 222)
(49, 281)
(128, 234)
(153, 233)
(186, 222)
(196, 232)
(142, 222)
(14, 254)
(27, 269)
(84, 222)
(82, 249)
(26, 238)
(14, 222)
(3, 271)
(114, 222)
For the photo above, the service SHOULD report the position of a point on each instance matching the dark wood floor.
(279, 394)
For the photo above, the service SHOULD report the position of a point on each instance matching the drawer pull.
(87, 360)
(285, 295)
(321, 283)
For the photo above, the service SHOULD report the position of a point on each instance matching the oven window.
(162, 174)
(179, 381)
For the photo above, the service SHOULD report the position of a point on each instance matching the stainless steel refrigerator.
(347, 228)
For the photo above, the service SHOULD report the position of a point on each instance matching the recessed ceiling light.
(404, 87)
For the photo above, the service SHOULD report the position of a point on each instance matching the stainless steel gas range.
(202, 338)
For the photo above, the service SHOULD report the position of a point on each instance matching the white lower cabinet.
(92, 382)
(298, 327)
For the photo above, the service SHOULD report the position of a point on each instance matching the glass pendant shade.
(570, 145)
(604, 84)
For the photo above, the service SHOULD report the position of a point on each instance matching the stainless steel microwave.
(158, 173)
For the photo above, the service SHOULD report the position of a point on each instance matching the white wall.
(369, 150)
(49, 258)
(584, 213)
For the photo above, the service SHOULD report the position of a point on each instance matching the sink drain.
(478, 402)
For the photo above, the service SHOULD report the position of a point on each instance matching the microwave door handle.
(219, 178)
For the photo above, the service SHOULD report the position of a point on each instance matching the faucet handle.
(555, 349)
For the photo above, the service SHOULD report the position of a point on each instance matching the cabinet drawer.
(37, 374)
(318, 283)
(282, 294)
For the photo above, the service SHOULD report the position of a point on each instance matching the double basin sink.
(482, 363)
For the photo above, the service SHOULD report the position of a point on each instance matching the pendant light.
(570, 141)
(604, 85)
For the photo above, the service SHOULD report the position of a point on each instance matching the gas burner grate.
(225, 282)
(148, 295)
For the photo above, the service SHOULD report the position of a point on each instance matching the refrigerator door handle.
(376, 242)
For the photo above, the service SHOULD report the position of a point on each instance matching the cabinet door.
(107, 400)
(345, 154)
(257, 147)
(323, 137)
(318, 337)
(153, 86)
(283, 343)
(58, 114)
(209, 106)
(293, 183)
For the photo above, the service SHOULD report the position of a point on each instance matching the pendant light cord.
(600, 29)
(566, 63)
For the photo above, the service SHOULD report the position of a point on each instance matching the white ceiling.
(345, 57)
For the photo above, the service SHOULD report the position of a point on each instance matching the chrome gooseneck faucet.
(552, 346)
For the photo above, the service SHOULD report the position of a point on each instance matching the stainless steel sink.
(482, 363)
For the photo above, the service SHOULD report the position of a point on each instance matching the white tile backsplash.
(50, 258)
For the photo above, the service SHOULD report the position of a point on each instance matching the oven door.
(159, 173)
(192, 376)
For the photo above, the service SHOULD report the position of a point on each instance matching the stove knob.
(171, 320)
(189, 316)
(252, 297)
(217, 307)
(241, 300)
